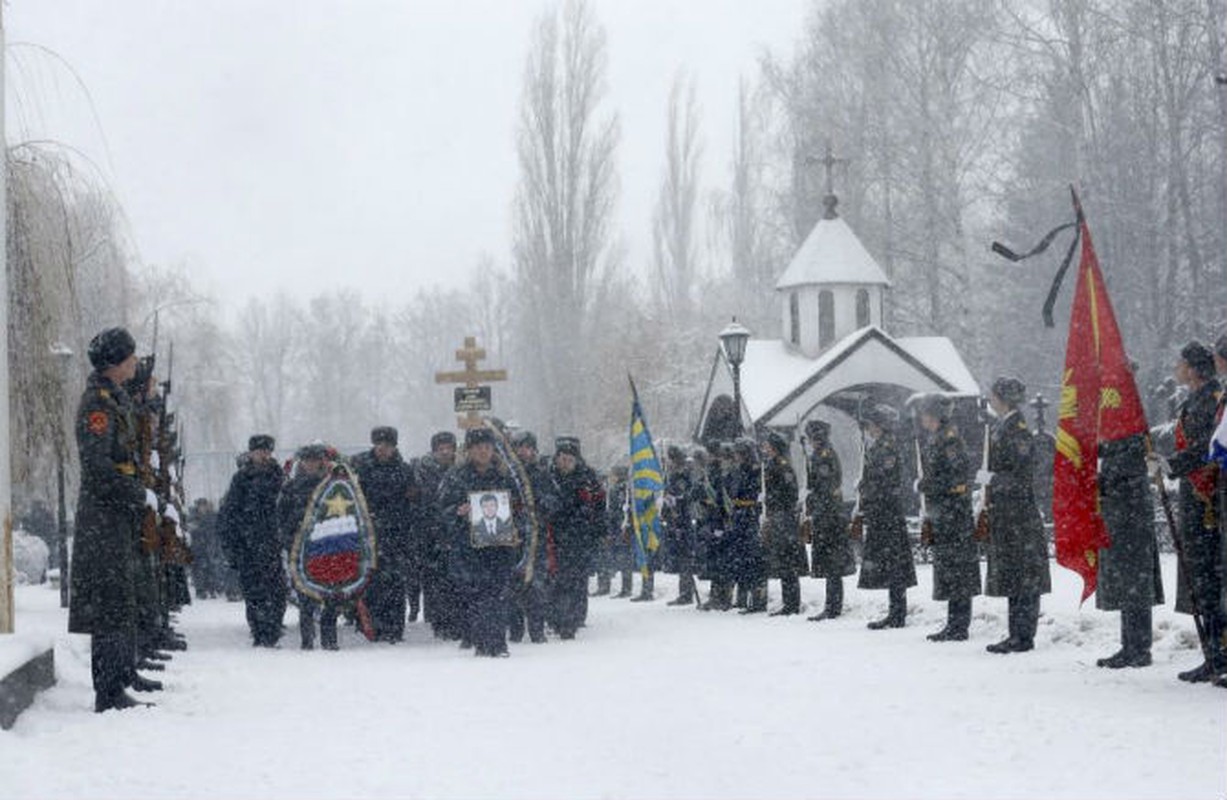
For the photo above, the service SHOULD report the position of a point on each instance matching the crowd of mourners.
(733, 514)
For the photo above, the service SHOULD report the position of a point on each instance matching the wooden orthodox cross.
(472, 397)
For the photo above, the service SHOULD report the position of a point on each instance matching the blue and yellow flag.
(646, 486)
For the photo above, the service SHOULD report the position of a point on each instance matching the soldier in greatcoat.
(1017, 547)
(578, 523)
(387, 483)
(886, 558)
(748, 566)
(718, 563)
(1128, 578)
(678, 518)
(482, 574)
(528, 598)
(248, 526)
(310, 470)
(109, 509)
(831, 547)
(946, 488)
(783, 549)
(1220, 365)
(1199, 583)
(440, 604)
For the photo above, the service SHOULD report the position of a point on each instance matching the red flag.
(1099, 403)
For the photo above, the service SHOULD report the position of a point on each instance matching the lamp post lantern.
(733, 340)
(63, 357)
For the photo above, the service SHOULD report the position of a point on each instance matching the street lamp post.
(63, 357)
(733, 339)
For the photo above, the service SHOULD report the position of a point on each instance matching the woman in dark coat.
(947, 493)
(886, 559)
(782, 545)
(831, 554)
(1017, 547)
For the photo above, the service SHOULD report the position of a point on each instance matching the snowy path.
(649, 702)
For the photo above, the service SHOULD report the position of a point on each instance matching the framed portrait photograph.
(490, 522)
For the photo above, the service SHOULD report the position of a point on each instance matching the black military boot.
(110, 664)
(603, 583)
(648, 592)
(625, 590)
(718, 598)
(146, 664)
(834, 600)
(790, 589)
(685, 590)
(140, 684)
(758, 599)
(896, 616)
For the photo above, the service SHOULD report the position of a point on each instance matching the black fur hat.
(475, 436)
(567, 444)
(261, 441)
(882, 415)
(1199, 357)
(524, 439)
(777, 443)
(384, 434)
(111, 348)
(934, 405)
(1012, 391)
(442, 438)
(818, 429)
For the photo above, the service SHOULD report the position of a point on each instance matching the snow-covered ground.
(649, 701)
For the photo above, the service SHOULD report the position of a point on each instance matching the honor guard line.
(471, 377)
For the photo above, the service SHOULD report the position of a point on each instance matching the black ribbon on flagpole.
(1009, 254)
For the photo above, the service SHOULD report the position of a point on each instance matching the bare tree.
(675, 256)
(564, 202)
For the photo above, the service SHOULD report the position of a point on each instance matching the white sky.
(310, 144)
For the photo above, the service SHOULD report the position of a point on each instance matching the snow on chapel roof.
(832, 254)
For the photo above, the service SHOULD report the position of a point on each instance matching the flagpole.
(1166, 501)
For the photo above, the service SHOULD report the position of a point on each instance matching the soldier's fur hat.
(934, 405)
(818, 429)
(524, 439)
(1012, 391)
(442, 438)
(261, 441)
(1220, 346)
(474, 436)
(881, 415)
(384, 434)
(567, 444)
(675, 453)
(744, 447)
(313, 451)
(1199, 358)
(777, 443)
(111, 348)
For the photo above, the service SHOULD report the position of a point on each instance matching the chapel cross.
(828, 161)
(471, 377)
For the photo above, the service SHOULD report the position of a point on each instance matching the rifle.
(856, 526)
(926, 524)
(982, 532)
(145, 447)
(172, 547)
(1170, 516)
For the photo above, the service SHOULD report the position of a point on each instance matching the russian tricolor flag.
(334, 551)
(1218, 444)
